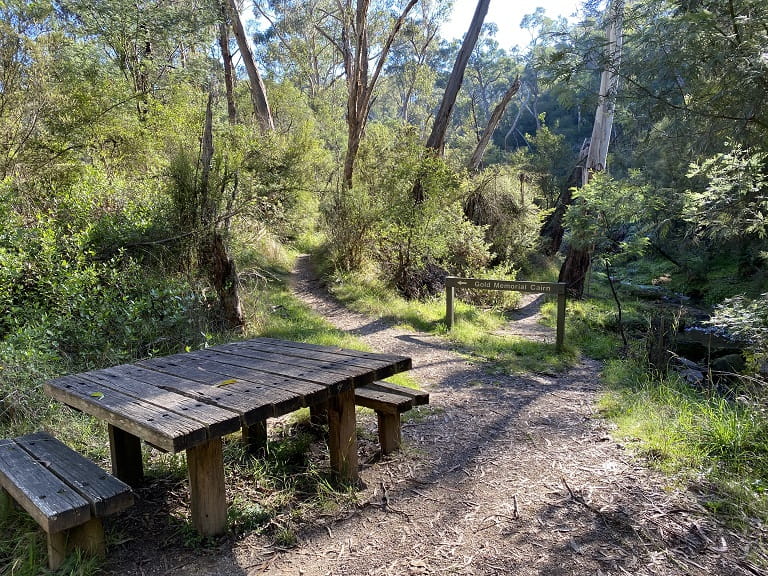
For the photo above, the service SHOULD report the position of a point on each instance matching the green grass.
(702, 438)
(472, 332)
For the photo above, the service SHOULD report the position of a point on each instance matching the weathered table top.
(179, 401)
(189, 401)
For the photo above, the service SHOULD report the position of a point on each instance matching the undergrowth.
(718, 443)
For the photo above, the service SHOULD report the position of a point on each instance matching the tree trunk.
(498, 112)
(226, 57)
(576, 265)
(609, 86)
(436, 140)
(354, 49)
(553, 226)
(575, 269)
(258, 91)
(225, 281)
(206, 158)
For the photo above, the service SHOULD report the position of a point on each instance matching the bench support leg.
(389, 432)
(255, 437)
(342, 435)
(125, 449)
(318, 414)
(88, 537)
(6, 504)
(208, 500)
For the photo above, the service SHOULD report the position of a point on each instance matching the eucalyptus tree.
(355, 46)
(148, 40)
(578, 259)
(411, 72)
(298, 42)
(258, 92)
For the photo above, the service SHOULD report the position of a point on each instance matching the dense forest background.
(157, 156)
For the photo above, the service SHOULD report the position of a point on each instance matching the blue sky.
(507, 15)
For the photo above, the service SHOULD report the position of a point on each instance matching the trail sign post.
(452, 282)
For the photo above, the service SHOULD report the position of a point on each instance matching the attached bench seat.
(389, 401)
(63, 491)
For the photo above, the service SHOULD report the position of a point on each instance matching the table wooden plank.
(262, 370)
(153, 424)
(273, 400)
(289, 394)
(239, 397)
(344, 366)
(402, 363)
(218, 421)
(284, 349)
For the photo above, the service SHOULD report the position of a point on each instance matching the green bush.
(414, 242)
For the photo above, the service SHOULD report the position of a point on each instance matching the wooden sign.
(558, 288)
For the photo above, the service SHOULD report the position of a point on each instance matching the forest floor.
(500, 474)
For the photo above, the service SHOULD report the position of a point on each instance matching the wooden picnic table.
(189, 401)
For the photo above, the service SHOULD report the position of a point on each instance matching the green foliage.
(503, 203)
(414, 244)
(590, 326)
(606, 217)
(734, 202)
(747, 320)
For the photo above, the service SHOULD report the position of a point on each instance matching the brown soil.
(501, 474)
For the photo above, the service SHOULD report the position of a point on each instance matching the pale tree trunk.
(354, 49)
(226, 57)
(609, 87)
(576, 266)
(258, 91)
(498, 112)
(436, 140)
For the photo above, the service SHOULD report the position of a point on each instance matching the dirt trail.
(506, 475)
(502, 474)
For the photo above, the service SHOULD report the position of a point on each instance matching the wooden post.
(390, 436)
(342, 435)
(449, 294)
(57, 549)
(88, 538)
(6, 504)
(318, 414)
(560, 319)
(255, 437)
(208, 500)
(125, 449)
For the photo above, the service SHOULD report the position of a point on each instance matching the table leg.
(125, 450)
(318, 414)
(208, 500)
(255, 437)
(342, 436)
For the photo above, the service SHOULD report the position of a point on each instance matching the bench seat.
(389, 401)
(65, 493)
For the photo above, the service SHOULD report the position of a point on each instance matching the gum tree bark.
(258, 91)
(576, 266)
(354, 49)
(498, 112)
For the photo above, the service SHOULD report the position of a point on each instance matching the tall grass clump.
(703, 437)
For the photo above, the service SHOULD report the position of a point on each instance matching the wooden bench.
(64, 492)
(389, 401)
